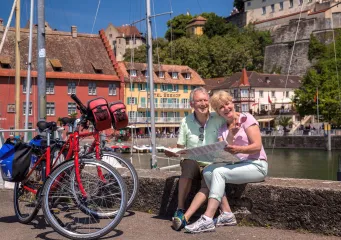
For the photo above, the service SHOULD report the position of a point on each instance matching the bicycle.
(68, 188)
(97, 150)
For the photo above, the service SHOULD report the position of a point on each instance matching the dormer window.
(98, 69)
(174, 75)
(145, 73)
(56, 65)
(161, 74)
(187, 75)
(5, 62)
(133, 73)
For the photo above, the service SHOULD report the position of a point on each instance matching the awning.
(265, 120)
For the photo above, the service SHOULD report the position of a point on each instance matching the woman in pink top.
(242, 134)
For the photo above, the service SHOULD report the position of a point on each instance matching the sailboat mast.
(41, 62)
(28, 80)
(151, 83)
(17, 66)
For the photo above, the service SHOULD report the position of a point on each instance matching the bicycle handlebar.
(82, 108)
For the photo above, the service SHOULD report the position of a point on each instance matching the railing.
(157, 120)
(166, 105)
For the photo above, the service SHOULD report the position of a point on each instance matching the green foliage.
(219, 53)
(177, 27)
(284, 121)
(324, 76)
(239, 4)
(316, 48)
(216, 25)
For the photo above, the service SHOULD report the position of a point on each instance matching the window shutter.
(170, 87)
(128, 100)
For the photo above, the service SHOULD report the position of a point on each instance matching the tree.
(239, 4)
(216, 25)
(324, 76)
(177, 27)
(284, 122)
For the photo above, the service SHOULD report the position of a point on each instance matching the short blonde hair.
(219, 99)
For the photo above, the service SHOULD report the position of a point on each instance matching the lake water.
(288, 163)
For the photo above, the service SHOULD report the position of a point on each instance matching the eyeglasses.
(201, 136)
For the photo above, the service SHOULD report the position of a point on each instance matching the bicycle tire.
(132, 188)
(32, 201)
(54, 216)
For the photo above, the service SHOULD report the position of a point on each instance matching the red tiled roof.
(167, 69)
(129, 31)
(211, 83)
(75, 54)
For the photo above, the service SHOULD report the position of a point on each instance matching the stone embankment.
(309, 205)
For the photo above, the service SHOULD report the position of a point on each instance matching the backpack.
(100, 111)
(119, 115)
(15, 160)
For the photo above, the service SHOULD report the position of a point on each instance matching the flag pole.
(317, 107)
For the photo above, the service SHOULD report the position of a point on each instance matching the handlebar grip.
(80, 104)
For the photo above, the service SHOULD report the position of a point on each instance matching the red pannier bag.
(100, 111)
(118, 114)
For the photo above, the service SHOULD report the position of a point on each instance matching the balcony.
(165, 106)
(276, 112)
(157, 120)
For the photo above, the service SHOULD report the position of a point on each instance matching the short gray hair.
(197, 89)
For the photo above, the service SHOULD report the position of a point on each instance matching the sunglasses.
(201, 136)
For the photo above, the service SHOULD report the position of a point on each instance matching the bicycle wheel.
(76, 217)
(27, 203)
(127, 171)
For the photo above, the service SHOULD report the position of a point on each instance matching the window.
(112, 89)
(248, 4)
(272, 8)
(291, 3)
(110, 35)
(264, 10)
(131, 86)
(71, 108)
(281, 6)
(300, 2)
(155, 88)
(71, 88)
(161, 74)
(174, 88)
(164, 87)
(245, 107)
(193, 87)
(244, 93)
(50, 110)
(273, 93)
(174, 75)
(187, 76)
(132, 100)
(185, 88)
(11, 108)
(287, 94)
(119, 41)
(24, 86)
(92, 88)
(142, 86)
(132, 114)
(49, 87)
(185, 103)
(261, 93)
(29, 109)
(11, 133)
(133, 73)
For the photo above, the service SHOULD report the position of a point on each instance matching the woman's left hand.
(234, 149)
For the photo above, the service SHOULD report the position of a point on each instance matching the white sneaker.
(226, 220)
(202, 225)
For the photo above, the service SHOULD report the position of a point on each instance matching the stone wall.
(300, 142)
(312, 205)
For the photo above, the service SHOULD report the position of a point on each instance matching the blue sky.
(61, 14)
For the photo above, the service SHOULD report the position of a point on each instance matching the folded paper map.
(209, 153)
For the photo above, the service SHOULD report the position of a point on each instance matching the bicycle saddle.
(42, 126)
(67, 120)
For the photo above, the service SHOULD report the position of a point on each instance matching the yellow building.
(172, 87)
(195, 27)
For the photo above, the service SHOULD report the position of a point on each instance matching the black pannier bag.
(15, 159)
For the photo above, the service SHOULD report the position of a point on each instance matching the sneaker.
(226, 220)
(179, 220)
(202, 225)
